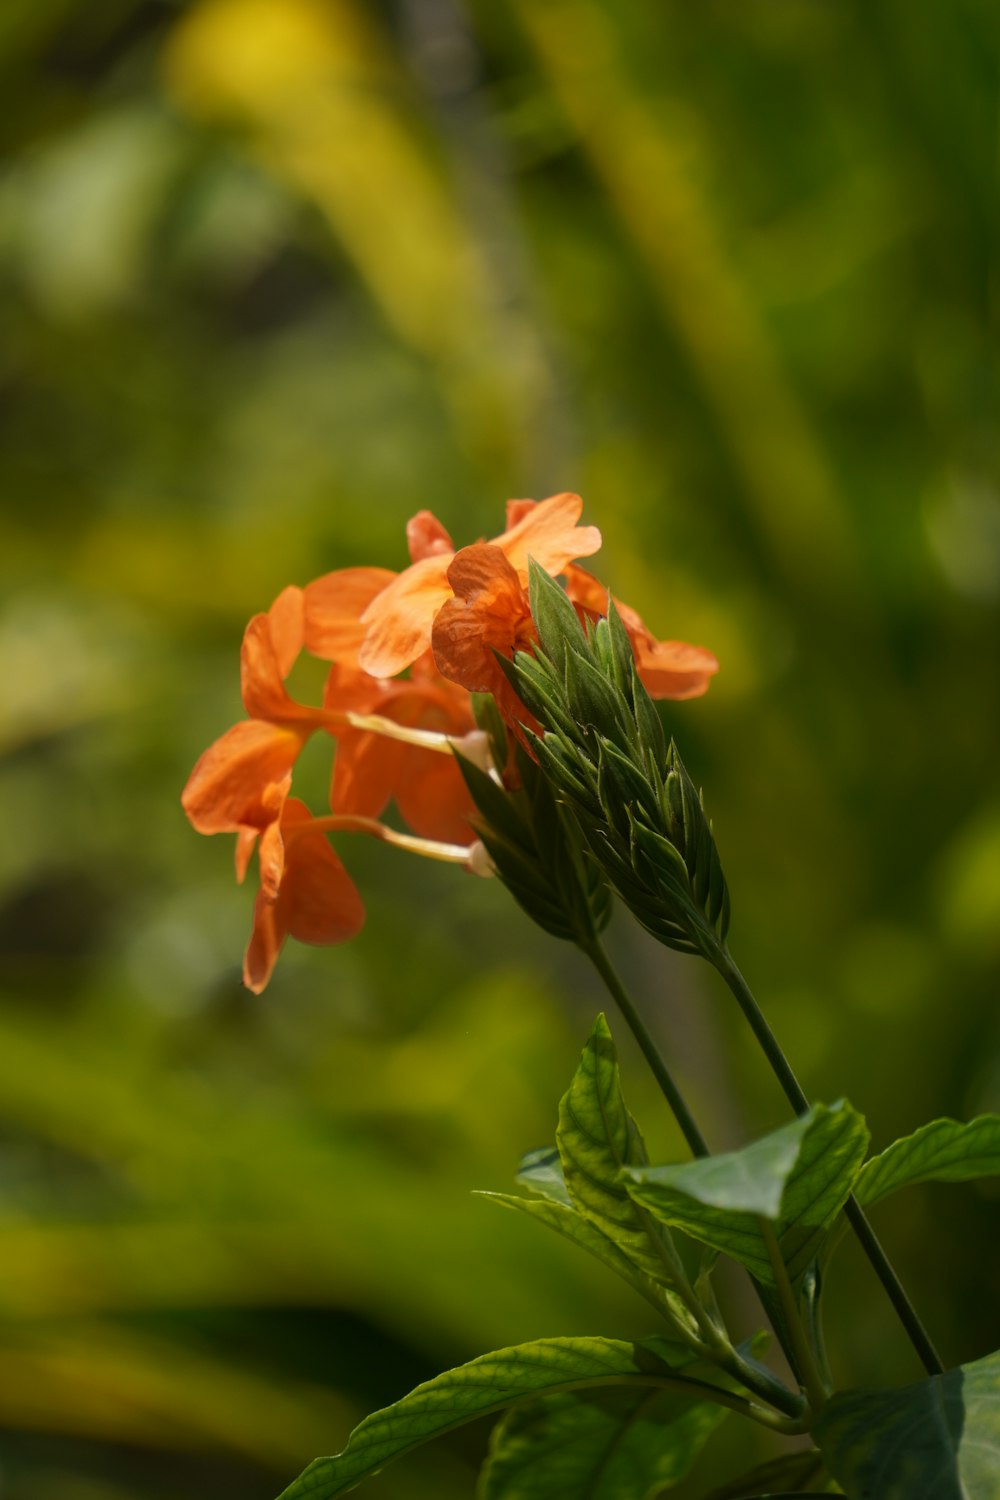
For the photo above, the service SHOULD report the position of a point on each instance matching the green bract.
(604, 752)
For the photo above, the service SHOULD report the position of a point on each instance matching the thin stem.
(594, 950)
(811, 1378)
(856, 1216)
(769, 1386)
(452, 854)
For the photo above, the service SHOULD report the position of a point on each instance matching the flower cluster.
(406, 651)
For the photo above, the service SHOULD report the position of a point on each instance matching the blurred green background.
(276, 274)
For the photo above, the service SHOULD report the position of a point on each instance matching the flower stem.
(856, 1216)
(594, 950)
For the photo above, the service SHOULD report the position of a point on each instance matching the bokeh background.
(276, 274)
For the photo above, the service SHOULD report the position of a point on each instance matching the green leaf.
(597, 1137)
(541, 1172)
(936, 1440)
(798, 1177)
(474, 1390)
(943, 1151)
(791, 1472)
(596, 1445)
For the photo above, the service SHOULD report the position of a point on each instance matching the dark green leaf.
(484, 1385)
(936, 1440)
(943, 1151)
(797, 1177)
(795, 1472)
(597, 1445)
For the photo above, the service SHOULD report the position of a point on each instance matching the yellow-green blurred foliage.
(276, 274)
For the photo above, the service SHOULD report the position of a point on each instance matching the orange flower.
(400, 619)
(315, 900)
(239, 785)
(372, 768)
(488, 613)
(332, 609)
(667, 669)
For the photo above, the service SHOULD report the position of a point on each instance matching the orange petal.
(516, 511)
(332, 610)
(549, 534)
(317, 901)
(241, 780)
(261, 682)
(591, 597)
(321, 901)
(673, 669)
(366, 773)
(433, 798)
(286, 618)
(246, 838)
(488, 613)
(266, 942)
(426, 537)
(399, 620)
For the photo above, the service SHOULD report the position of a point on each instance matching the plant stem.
(856, 1216)
(811, 1379)
(774, 1391)
(594, 950)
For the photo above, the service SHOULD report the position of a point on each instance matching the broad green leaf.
(942, 1151)
(541, 1172)
(795, 1472)
(798, 1177)
(484, 1385)
(597, 1137)
(936, 1440)
(626, 1444)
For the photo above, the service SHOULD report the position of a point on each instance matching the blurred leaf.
(112, 1386)
(328, 107)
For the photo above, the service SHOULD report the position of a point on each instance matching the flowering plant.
(510, 717)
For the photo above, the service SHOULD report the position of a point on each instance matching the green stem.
(811, 1379)
(856, 1216)
(723, 1351)
(594, 950)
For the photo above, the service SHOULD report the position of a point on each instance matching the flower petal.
(332, 610)
(241, 780)
(261, 678)
(286, 618)
(316, 902)
(399, 620)
(550, 535)
(489, 613)
(516, 511)
(266, 941)
(433, 798)
(426, 537)
(673, 669)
